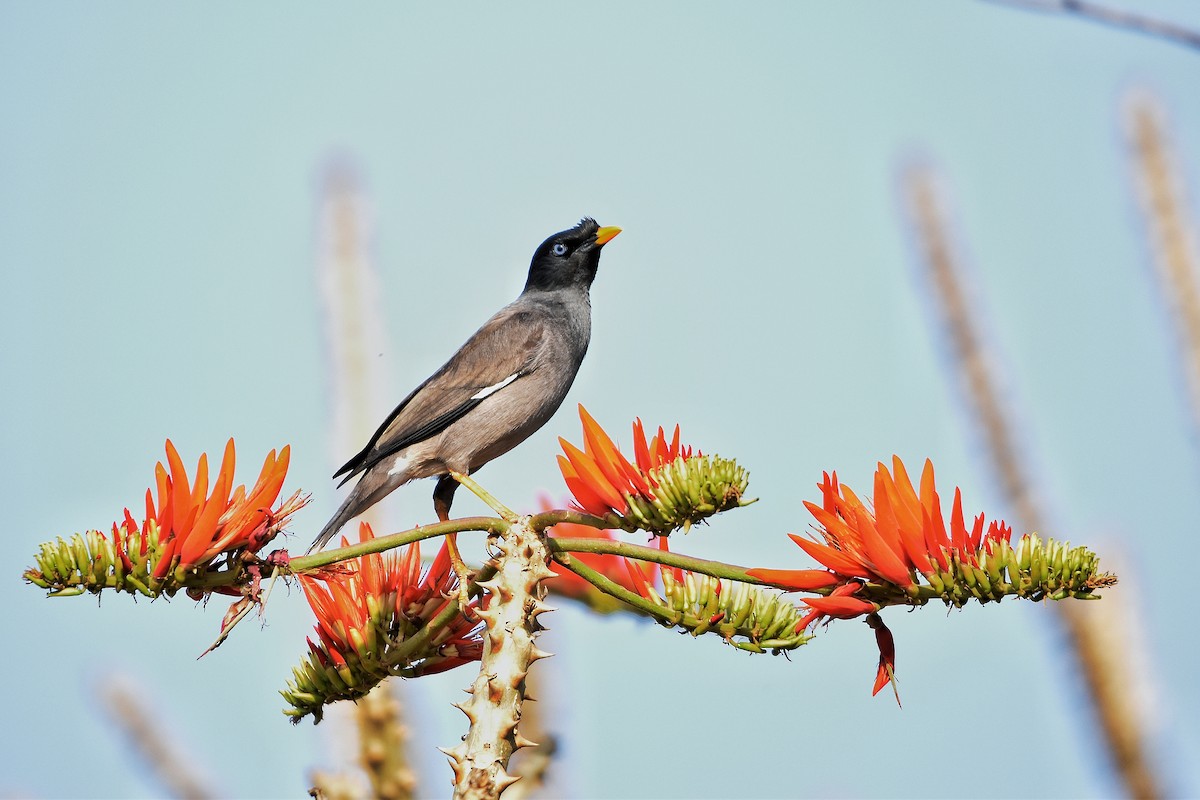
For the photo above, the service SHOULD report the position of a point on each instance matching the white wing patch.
(399, 465)
(495, 387)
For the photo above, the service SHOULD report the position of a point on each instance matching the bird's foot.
(465, 575)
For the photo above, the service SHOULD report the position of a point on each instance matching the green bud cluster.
(688, 490)
(746, 616)
(381, 650)
(316, 682)
(1035, 569)
(89, 562)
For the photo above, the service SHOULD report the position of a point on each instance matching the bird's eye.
(559, 249)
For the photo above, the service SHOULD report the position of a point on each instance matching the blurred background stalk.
(151, 740)
(354, 330)
(1170, 229)
(1091, 629)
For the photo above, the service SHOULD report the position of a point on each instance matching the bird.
(501, 386)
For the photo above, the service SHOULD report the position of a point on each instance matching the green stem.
(611, 587)
(382, 543)
(547, 519)
(717, 569)
(486, 496)
(325, 558)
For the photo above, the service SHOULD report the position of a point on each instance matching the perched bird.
(501, 386)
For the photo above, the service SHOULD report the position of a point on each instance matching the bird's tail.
(348, 511)
(370, 489)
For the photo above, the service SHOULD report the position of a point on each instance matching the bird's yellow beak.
(605, 235)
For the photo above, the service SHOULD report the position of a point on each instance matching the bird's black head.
(569, 259)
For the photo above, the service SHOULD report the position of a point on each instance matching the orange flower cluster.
(368, 608)
(601, 478)
(906, 535)
(665, 489)
(351, 599)
(195, 526)
(183, 532)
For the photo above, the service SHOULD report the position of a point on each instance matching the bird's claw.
(464, 592)
(465, 575)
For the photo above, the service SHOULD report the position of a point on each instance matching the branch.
(764, 620)
(548, 519)
(1112, 17)
(236, 575)
(717, 569)
(487, 497)
(614, 589)
(378, 545)
(494, 709)
(998, 574)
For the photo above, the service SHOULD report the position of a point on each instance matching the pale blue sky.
(158, 176)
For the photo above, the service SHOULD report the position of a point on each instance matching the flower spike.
(184, 532)
(748, 617)
(369, 612)
(906, 553)
(665, 488)
(903, 553)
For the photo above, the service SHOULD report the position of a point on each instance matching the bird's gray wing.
(498, 354)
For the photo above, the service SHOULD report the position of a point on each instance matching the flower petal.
(588, 500)
(840, 607)
(795, 579)
(591, 474)
(836, 560)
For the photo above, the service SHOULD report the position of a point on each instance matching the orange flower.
(837, 605)
(196, 526)
(600, 477)
(886, 673)
(902, 551)
(180, 536)
(667, 487)
(904, 536)
(375, 601)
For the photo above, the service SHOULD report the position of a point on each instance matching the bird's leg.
(443, 496)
